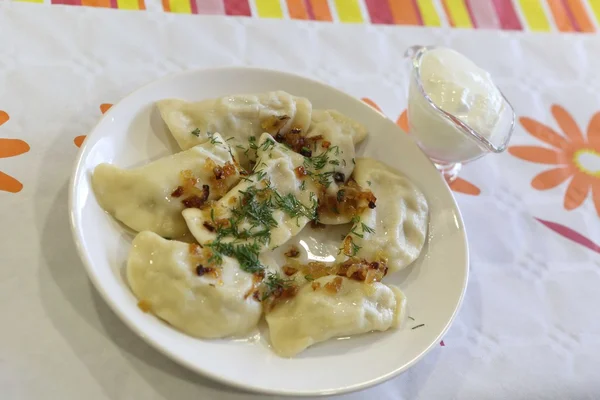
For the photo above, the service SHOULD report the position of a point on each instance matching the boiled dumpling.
(172, 280)
(333, 164)
(325, 120)
(236, 117)
(396, 229)
(333, 306)
(152, 197)
(332, 160)
(268, 207)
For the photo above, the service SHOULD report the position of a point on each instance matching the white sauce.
(458, 86)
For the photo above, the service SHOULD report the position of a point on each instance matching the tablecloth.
(529, 327)
(528, 15)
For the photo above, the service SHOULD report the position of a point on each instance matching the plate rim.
(77, 236)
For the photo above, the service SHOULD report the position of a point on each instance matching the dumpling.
(171, 280)
(239, 117)
(333, 306)
(266, 208)
(152, 197)
(323, 120)
(332, 160)
(395, 230)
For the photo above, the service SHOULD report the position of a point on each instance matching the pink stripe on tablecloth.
(570, 234)
(507, 15)
(237, 7)
(379, 11)
(483, 14)
(213, 7)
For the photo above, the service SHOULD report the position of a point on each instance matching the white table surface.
(529, 327)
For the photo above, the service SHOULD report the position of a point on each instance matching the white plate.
(131, 133)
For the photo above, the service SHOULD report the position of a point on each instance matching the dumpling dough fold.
(276, 165)
(316, 315)
(236, 117)
(396, 229)
(142, 197)
(163, 275)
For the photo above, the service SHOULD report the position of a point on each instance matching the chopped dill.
(418, 326)
(213, 139)
(246, 254)
(358, 224)
(196, 132)
(309, 278)
(260, 175)
(367, 228)
(354, 232)
(251, 145)
(267, 144)
(303, 185)
(274, 283)
(290, 205)
(324, 178)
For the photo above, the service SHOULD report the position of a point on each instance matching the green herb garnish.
(274, 283)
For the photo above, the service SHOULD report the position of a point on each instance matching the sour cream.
(458, 86)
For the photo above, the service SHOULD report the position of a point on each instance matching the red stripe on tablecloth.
(507, 15)
(379, 11)
(194, 6)
(237, 7)
(113, 4)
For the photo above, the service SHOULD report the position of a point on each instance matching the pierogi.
(333, 306)
(396, 229)
(168, 279)
(237, 117)
(303, 169)
(151, 197)
(274, 187)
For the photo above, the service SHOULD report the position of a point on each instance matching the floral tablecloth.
(529, 327)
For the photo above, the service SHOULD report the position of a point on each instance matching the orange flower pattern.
(104, 107)
(10, 148)
(571, 155)
(459, 185)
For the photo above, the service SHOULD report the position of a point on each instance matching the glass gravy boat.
(446, 138)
